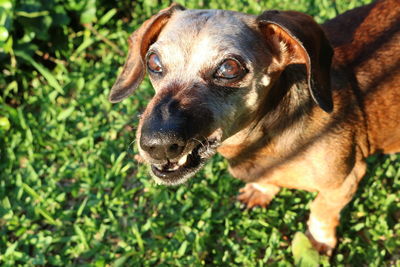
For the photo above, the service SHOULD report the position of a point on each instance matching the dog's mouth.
(179, 171)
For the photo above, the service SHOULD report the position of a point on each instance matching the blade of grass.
(42, 70)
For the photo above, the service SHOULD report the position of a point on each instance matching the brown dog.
(271, 95)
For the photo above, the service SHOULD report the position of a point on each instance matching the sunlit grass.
(72, 194)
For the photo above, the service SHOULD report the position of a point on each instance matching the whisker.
(201, 143)
(129, 148)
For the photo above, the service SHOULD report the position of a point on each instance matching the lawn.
(71, 192)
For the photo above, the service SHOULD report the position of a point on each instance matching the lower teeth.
(174, 168)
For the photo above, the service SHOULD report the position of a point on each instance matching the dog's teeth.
(174, 168)
(182, 160)
(158, 166)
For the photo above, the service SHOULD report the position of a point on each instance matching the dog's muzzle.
(173, 150)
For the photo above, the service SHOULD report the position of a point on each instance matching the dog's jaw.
(187, 165)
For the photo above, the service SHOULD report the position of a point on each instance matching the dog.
(289, 103)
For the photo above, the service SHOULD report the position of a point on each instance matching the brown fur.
(316, 117)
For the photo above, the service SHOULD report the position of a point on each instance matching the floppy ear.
(139, 42)
(295, 38)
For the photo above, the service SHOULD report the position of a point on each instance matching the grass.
(71, 192)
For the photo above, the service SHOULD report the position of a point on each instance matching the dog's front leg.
(326, 208)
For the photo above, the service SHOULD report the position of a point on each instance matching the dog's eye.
(154, 63)
(229, 69)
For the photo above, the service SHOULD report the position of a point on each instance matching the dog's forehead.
(213, 21)
(205, 35)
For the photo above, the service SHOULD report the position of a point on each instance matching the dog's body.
(268, 95)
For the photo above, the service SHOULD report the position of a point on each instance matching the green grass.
(71, 192)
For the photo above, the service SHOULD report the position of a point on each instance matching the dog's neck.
(287, 103)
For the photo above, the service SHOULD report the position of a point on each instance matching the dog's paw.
(322, 235)
(257, 195)
(325, 248)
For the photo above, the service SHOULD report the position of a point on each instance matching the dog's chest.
(293, 164)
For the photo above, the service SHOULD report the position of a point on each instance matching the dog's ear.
(295, 38)
(139, 42)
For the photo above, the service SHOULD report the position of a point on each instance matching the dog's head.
(211, 70)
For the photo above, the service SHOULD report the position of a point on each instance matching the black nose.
(162, 145)
(163, 134)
